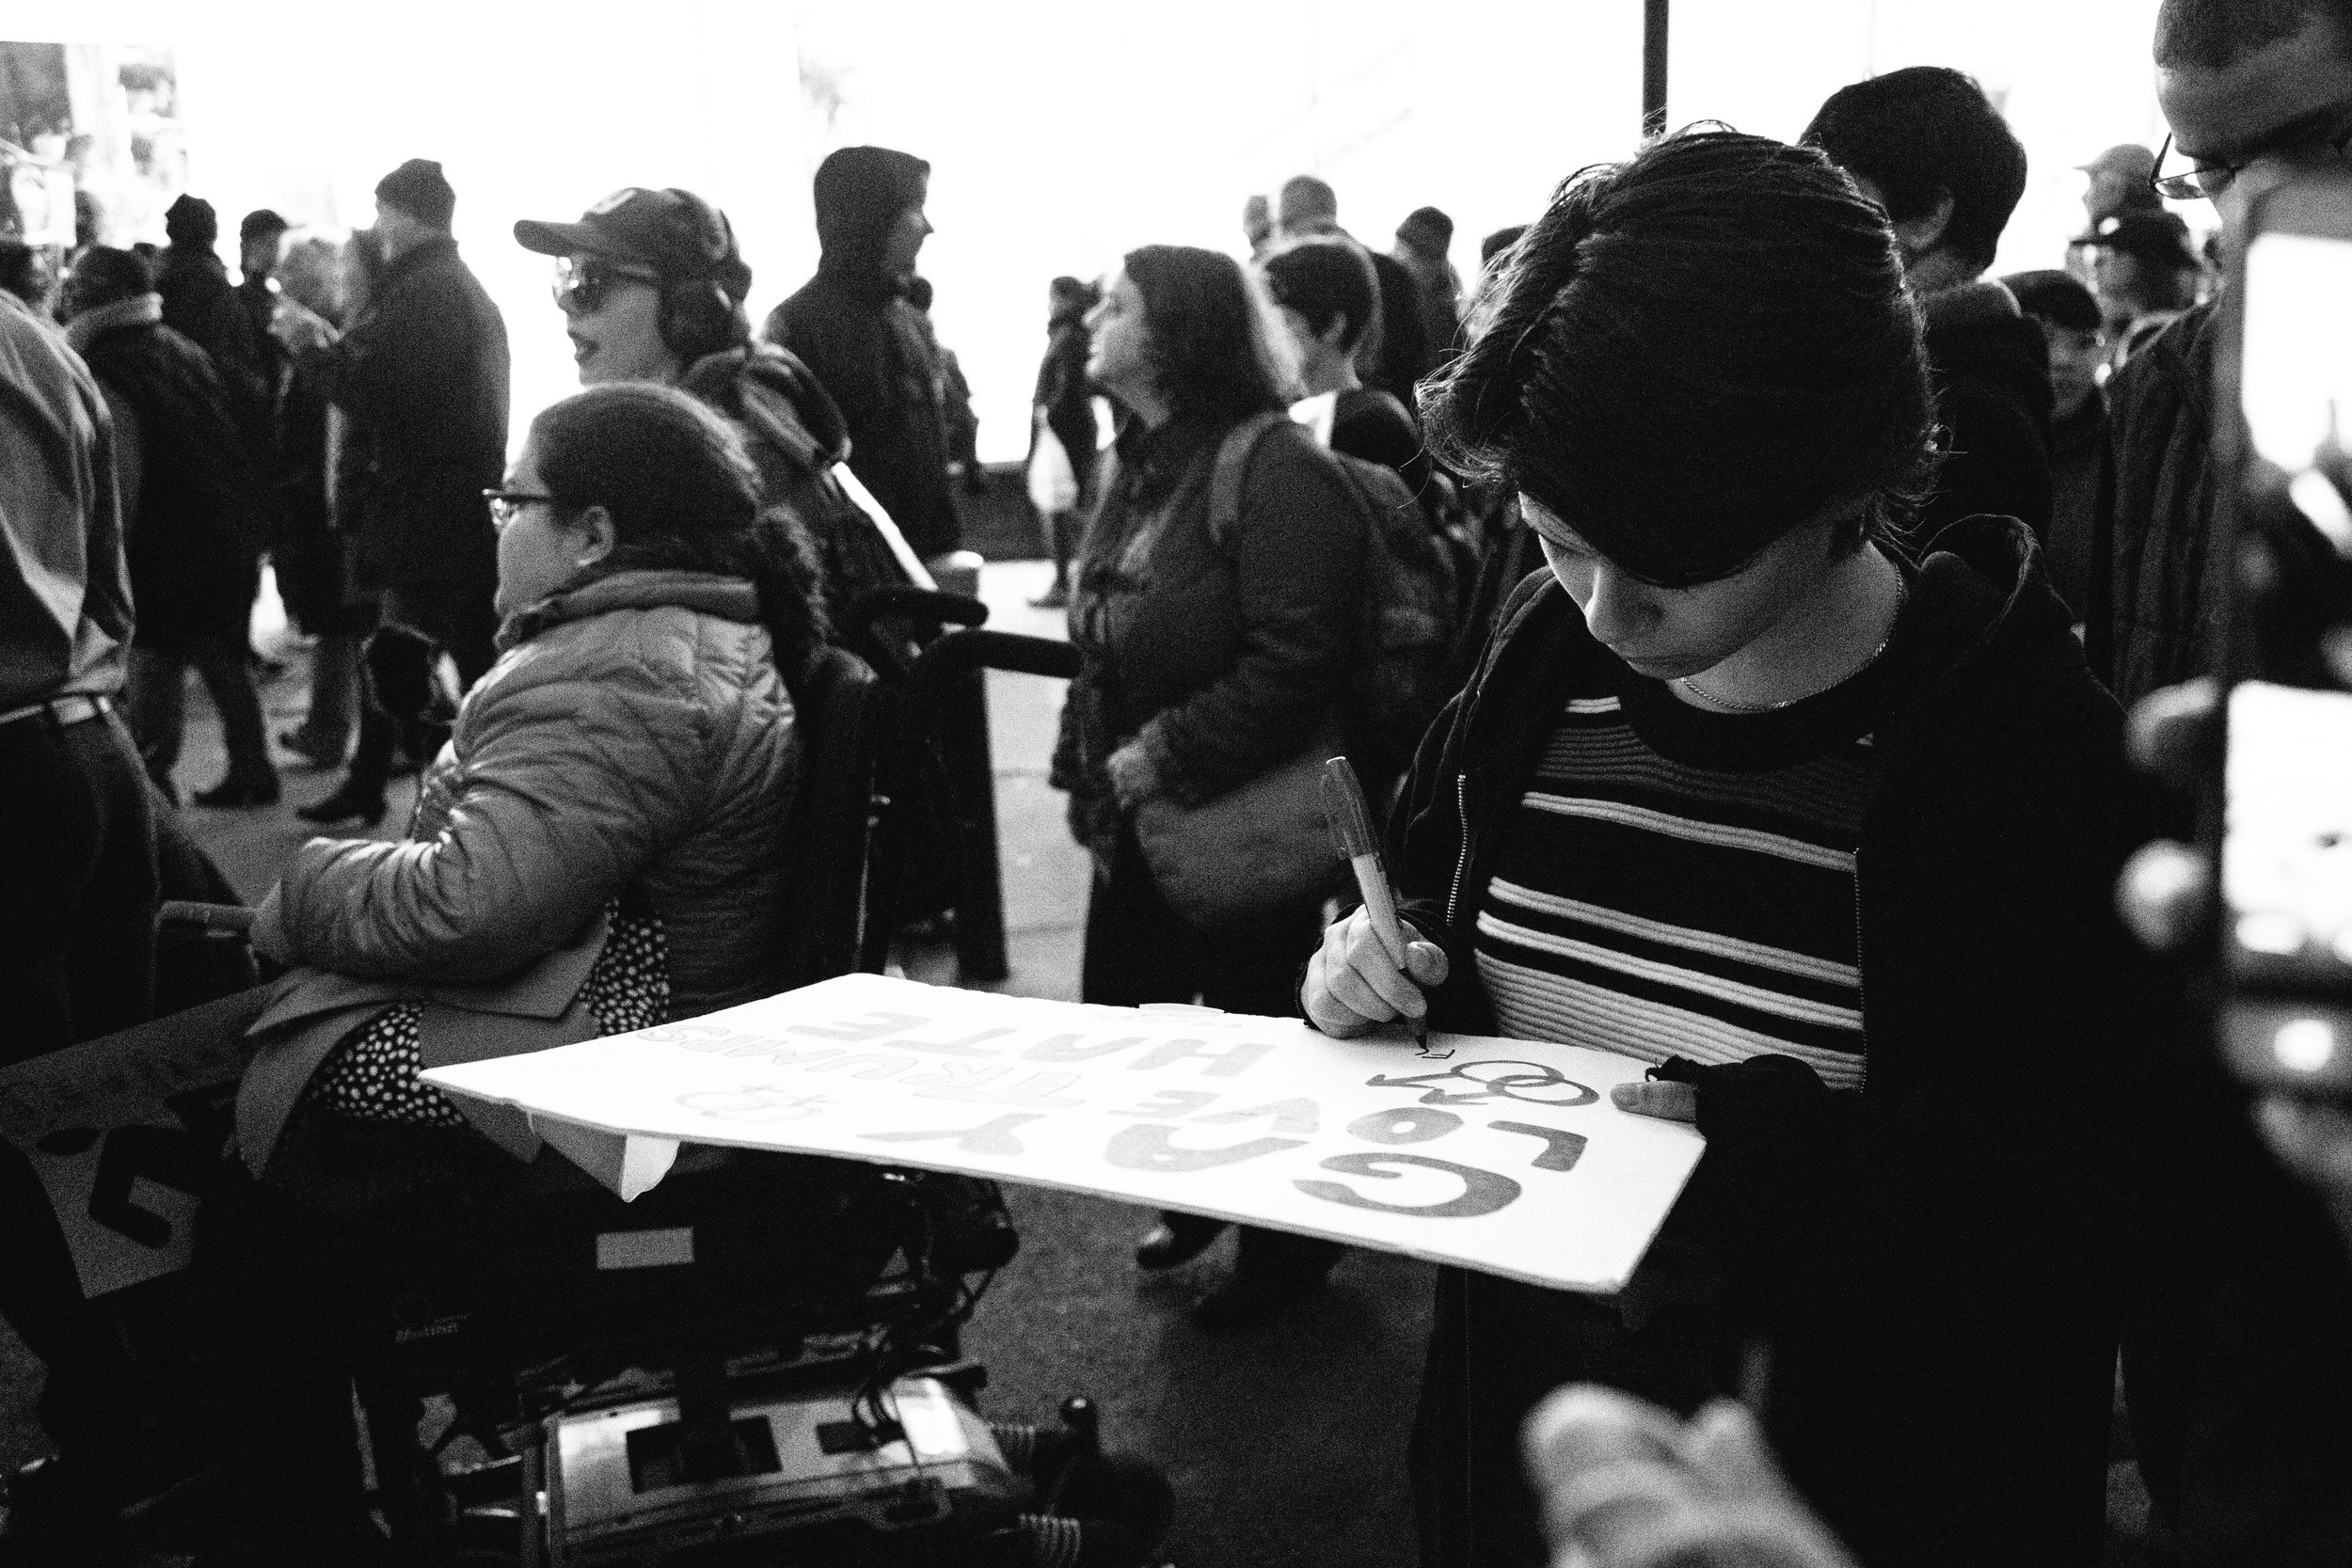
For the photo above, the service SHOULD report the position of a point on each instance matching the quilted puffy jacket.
(633, 737)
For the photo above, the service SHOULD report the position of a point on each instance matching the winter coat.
(874, 353)
(2079, 454)
(195, 536)
(633, 740)
(65, 593)
(1935, 1258)
(1223, 658)
(2155, 609)
(796, 435)
(1068, 398)
(202, 305)
(1991, 368)
(424, 375)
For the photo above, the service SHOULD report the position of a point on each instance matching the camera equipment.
(2281, 823)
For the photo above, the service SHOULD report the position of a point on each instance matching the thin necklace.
(1902, 598)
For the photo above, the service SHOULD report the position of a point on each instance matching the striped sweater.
(1681, 883)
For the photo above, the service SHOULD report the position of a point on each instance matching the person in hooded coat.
(870, 348)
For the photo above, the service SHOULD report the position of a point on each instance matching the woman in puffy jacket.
(604, 831)
(598, 847)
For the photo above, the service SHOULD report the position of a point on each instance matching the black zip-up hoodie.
(1933, 1259)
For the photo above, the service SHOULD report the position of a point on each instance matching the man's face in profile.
(2276, 109)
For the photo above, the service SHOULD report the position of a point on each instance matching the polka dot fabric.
(373, 1074)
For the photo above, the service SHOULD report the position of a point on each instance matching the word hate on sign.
(1509, 1158)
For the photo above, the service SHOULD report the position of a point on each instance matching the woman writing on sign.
(1213, 650)
(1819, 820)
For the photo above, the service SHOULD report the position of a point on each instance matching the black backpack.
(1411, 601)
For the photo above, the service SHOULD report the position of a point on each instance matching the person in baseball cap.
(649, 281)
(651, 285)
(2121, 182)
(2146, 271)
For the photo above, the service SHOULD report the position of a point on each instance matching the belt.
(60, 711)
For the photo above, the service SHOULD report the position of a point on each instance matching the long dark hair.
(1219, 349)
(1693, 353)
(683, 495)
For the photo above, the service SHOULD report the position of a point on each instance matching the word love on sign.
(1506, 1156)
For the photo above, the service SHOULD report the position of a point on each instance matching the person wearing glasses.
(2252, 93)
(598, 849)
(651, 286)
(2234, 1369)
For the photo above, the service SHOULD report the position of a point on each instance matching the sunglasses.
(582, 282)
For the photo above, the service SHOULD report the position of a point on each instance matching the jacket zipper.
(1461, 858)
(1861, 991)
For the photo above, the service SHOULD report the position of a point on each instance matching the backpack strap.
(1232, 468)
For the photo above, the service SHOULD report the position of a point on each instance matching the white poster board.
(1504, 1156)
(125, 1133)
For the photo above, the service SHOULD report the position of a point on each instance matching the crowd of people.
(1738, 589)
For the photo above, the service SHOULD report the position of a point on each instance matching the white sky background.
(1061, 134)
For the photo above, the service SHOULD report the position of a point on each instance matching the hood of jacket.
(1977, 333)
(705, 593)
(860, 193)
(777, 397)
(87, 327)
(1997, 629)
(1998, 620)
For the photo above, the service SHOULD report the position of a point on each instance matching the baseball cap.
(2129, 159)
(2158, 237)
(675, 233)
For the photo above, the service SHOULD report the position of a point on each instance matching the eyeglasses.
(505, 505)
(581, 281)
(2208, 181)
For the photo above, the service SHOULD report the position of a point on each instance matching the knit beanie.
(418, 189)
(190, 220)
(1427, 229)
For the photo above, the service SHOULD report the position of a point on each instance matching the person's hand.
(267, 934)
(1627, 1485)
(1353, 985)
(2166, 893)
(1666, 1102)
(1135, 778)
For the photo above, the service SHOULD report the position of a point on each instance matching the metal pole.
(1654, 66)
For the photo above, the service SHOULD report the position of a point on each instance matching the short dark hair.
(1693, 353)
(683, 494)
(2057, 297)
(1325, 279)
(1501, 239)
(1308, 196)
(104, 275)
(2213, 34)
(1217, 353)
(1921, 133)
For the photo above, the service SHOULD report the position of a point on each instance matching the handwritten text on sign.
(126, 1133)
(1506, 1157)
